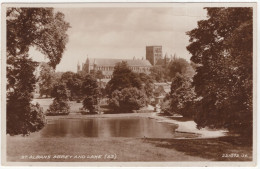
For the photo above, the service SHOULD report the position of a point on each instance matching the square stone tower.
(153, 54)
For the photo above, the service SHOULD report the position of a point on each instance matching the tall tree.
(91, 93)
(182, 95)
(26, 27)
(123, 77)
(60, 103)
(222, 46)
(147, 84)
(23, 117)
(73, 82)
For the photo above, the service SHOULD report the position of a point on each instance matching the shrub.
(60, 104)
(90, 103)
(91, 93)
(59, 107)
(127, 100)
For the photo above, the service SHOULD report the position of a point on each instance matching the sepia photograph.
(127, 84)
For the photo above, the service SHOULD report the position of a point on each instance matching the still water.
(135, 127)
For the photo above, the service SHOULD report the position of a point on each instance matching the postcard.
(128, 84)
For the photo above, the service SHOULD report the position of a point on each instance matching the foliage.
(58, 107)
(159, 73)
(91, 92)
(164, 73)
(39, 27)
(46, 79)
(26, 27)
(223, 47)
(22, 116)
(182, 95)
(91, 104)
(123, 77)
(97, 74)
(73, 82)
(147, 84)
(181, 66)
(166, 107)
(60, 103)
(127, 100)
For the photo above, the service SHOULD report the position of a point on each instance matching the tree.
(73, 82)
(60, 103)
(181, 66)
(182, 95)
(26, 27)
(99, 75)
(159, 73)
(22, 116)
(46, 79)
(147, 85)
(127, 100)
(91, 92)
(222, 46)
(123, 77)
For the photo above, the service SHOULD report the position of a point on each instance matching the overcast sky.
(125, 32)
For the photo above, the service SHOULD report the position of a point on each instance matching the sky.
(123, 32)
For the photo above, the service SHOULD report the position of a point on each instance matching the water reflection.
(108, 127)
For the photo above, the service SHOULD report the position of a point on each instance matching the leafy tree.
(222, 46)
(159, 73)
(26, 27)
(123, 77)
(91, 92)
(46, 79)
(22, 116)
(73, 82)
(180, 66)
(147, 85)
(99, 75)
(127, 100)
(60, 103)
(182, 95)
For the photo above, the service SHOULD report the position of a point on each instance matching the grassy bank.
(126, 149)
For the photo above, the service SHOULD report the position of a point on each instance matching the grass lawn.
(44, 103)
(127, 149)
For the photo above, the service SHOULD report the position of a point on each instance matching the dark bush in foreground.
(33, 114)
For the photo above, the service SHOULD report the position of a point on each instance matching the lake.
(136, 127)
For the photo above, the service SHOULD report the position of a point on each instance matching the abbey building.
(153, 57)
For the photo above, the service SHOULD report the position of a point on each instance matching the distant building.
(107, 66)
(153, 54)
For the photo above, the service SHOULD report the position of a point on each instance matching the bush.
(90, 103)
(166, 107)
(33, 113)
(182, 95)
(91, 94)
(127, 100)
(60, 104)
(59, 107)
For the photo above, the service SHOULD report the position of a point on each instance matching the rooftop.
(113, 62)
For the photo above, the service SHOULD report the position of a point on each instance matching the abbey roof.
(113, 62)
